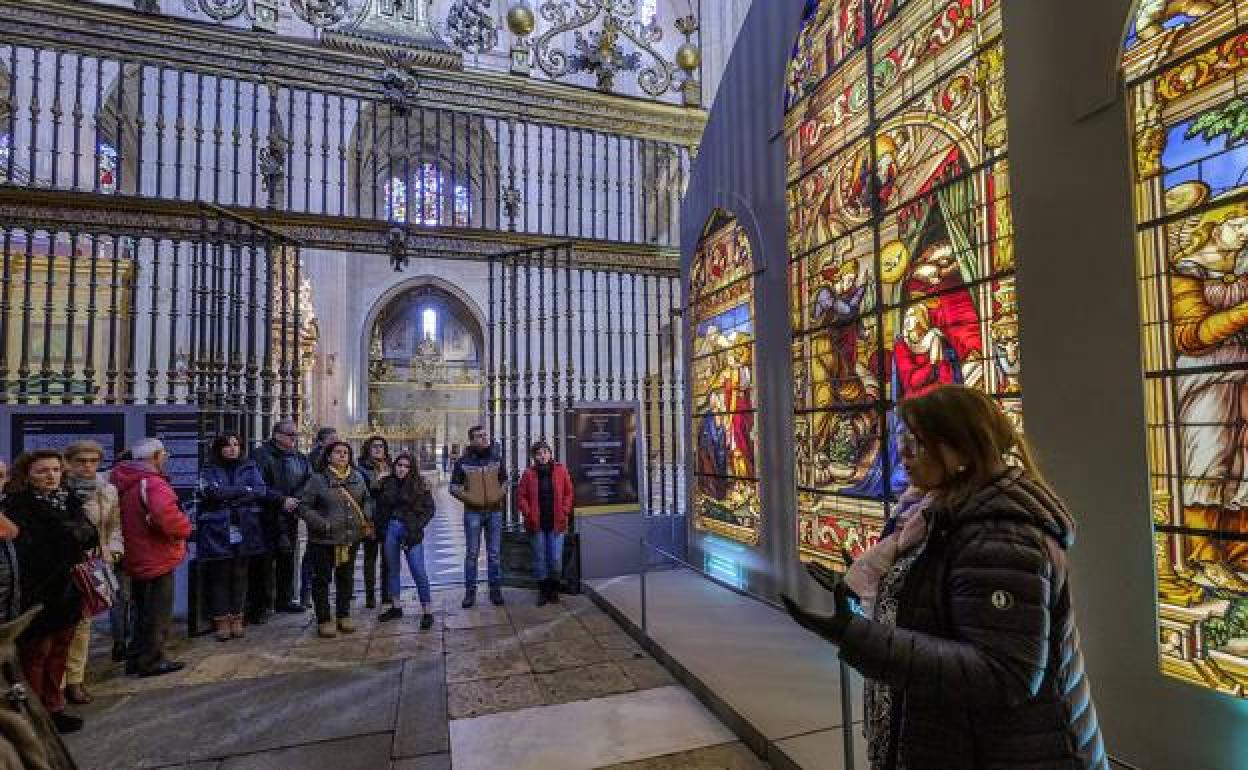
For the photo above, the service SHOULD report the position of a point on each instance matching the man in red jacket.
(546, 499)
(154, 530)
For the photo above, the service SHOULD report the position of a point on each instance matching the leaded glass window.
(901, 269)
(1184, 64)
(721, 302)
(434, 196)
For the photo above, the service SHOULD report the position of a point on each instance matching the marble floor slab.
(825, 750)
(367, 752)
(587, 734)
(728, 756)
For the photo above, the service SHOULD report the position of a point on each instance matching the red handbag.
(96, 586)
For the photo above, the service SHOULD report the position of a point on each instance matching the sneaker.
(426, 621)
(470, 598)
(496, 597)
(346, 626)
(326, 630)
(66, 723)
(394, 613)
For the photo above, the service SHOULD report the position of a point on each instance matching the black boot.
(553, 596)
(543, 592)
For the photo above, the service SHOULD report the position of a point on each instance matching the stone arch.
(461, 148)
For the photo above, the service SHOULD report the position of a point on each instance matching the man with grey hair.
(285, 470)
(154, 530)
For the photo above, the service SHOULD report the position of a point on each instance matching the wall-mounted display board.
(1184, 64)
(900, 239)
(603, 446)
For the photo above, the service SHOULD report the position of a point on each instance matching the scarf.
(83, 488)
(338, 475)
(342, 553)
(58, 498)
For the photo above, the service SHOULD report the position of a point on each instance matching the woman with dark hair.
(545, 497)
(971, 655)
(333, 503)
(406, 504)
(229, 530)
(376, 467)
(54, 536)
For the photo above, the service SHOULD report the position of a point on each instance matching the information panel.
(57, 430)
(602, 456)
(179, 432)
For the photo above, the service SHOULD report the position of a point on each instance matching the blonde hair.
(1200, 230)
(971, 423)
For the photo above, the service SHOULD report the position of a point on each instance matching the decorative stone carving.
(399, 31)
(328, 13)
(471, 27)
(218, 10)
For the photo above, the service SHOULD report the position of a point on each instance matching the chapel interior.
(729, 236)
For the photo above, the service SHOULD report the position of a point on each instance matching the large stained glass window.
(900, 240)
(431, 189)
(721, 302)
(1185, 65)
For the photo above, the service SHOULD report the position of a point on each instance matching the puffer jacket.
(474, 460)
(392, 505)
(323, 505)
(233, 495)
(985, 658)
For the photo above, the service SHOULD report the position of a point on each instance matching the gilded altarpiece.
(721, 302)
(901, 269)
(1184, 63)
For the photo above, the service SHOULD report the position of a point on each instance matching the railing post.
(644, 619)
(847, 716)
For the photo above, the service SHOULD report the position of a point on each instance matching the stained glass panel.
(721, 291)
(1184, 64)
(901, 245)
(107, 168)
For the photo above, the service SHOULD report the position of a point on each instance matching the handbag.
(367, 532)
(96, 585)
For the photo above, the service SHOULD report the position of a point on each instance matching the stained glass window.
(430, 187)
(721, 291)
(6, 147)
(900, 239)
(106, 167)
(1184, 64)
(396, 200)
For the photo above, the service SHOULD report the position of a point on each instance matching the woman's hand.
(830, 627)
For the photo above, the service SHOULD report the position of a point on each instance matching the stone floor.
(516, 687)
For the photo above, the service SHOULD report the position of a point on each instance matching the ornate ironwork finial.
(400, 89)
(601, 52)
(396, 246)
(271, 163)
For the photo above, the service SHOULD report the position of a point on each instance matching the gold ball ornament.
(688, 57)
(520, 19)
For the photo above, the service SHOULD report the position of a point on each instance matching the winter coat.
(372, 478)
(331, 519)
(985, 658)
(152, 522)
(391, 505)
(530, 506)
(231, 495)
(284, 473)
(102, 508)
(50, 542)
(486, 466)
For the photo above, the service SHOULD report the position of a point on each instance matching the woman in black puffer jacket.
(972, 657)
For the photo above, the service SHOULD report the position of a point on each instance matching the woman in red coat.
(546, 500)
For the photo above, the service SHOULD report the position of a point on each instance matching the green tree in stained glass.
(1229, 120)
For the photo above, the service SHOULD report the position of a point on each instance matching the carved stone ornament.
(601, 52)
(328, 13)
(471, 26)
(399, 31)
(219, 10)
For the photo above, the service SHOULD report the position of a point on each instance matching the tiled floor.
(391, 695)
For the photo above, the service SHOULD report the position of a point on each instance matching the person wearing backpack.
(154, 531)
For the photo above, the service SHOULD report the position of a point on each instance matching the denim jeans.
(493, 524)
(396, 533)
(547, 554)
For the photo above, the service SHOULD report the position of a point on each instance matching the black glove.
(825, 577)
(830, 627)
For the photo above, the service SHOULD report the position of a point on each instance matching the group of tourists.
(75, 542)
(78, 542)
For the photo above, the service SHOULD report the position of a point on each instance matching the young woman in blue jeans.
(407, 503)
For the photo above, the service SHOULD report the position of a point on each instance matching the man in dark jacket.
(479, 481)
(285, 470)
(325, 436)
